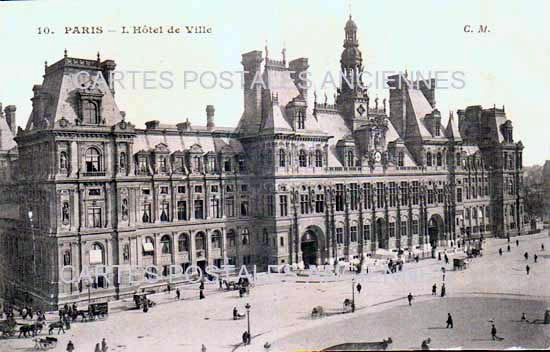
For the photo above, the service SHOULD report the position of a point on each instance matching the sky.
(508, 65)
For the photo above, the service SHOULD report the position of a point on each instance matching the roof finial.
(65, 53)
(45, 64)
(98, 57)
(315, 97)
(349, 6)
(284, 53)
(266, 51)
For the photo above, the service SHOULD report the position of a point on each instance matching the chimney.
(210, 116)
(107, 70)
(10, 117)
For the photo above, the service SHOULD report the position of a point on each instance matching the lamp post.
(33, 244)
(247, 306)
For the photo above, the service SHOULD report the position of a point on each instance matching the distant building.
(292, 184)
(546, 190)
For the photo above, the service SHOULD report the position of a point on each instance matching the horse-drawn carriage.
(46, 343)
(141, 298)
(317, 312)
(7, 327)
(94, 311)
(459, 263)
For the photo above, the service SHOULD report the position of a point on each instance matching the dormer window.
(350, 158)
(90, 112)
(428, 159)
(227, 165)
(401, 159)
(196, 164)
(318, 158)
(301, 120)
(163, 164)
(142, 164)
(303, 158)
(90, 106)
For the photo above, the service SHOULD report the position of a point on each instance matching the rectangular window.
(181, 189)
(282, 241)
(94, 192)
(244, 188)
(340, 235)
(415, 197)
(142, 165)
(199, 209)
(146, 210)
(283, 205)
(230, 207)
(368, 196)
(94, 217)
(270, 205)
(182, 210)
(353, 233)
(354, 195)
(244, 208)
(215, 208)
(304, 203)
(440, 195)
(404, 193)
(198, 189)
(459, 195)
(165, 211)
(391, 229)
(320, 203)
(229, 188)
(366, 232)
(430, 196)
(164, 190)
(415, 227)
(146, 191)
(339, 197)
(379, 194)
(403, 228)
(393, 194)
(214, 189)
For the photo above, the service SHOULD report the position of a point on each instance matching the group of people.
(26, 312)
(101, 347)
(434, 290)
(393, 267)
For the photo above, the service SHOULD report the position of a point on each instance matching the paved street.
(494, 287)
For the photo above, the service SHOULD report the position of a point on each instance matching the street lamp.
(247, 306)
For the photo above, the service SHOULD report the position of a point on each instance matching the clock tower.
(352, 94)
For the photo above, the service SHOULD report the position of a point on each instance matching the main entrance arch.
(309, 246)
(435, 229)
(381, 233)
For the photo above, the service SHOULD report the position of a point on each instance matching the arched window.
(97, 254)
(93, 160)
(404, 227)
(183, 243)
(90, 112)
(439, 159)
(166, 244)
(457, 159)
(216, 239)
(200, 241)
(63, 164)
(318, 158)
(428, 159)
(282, 158)
(303, 158)
(350, 161)
(148, 246)
(301, 120)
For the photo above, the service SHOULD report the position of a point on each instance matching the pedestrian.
(446, 259)
(203, 348)
(70, 346)
(178, 293)
(67, 323)
(104, 347)
(449, 321)
(201, 286)
(201, 294)
(168, 289)
(434, 290)
(145, 307)
(526, 255)
(527, 268)
(220, 283)
(500, 251)
(493, 332)
(508, 248)
(97, 348)
(359, 288)
(523, 317)
(245, 338)
(438, 255)
(425, 346)
(508, 238)
(410, 298)
(542, 246)
(443, 290)
(517, 243)
(534, 257)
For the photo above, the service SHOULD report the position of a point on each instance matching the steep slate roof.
(420, 108)
(6, 136)
(452, 129)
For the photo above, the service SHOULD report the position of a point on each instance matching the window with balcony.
(230, 206)
(182, 210)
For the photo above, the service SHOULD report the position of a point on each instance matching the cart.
(46, 343)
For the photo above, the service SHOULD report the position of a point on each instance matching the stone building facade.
(291, 184)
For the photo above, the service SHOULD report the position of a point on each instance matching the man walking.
(493, 332)
(104, 345)
(449, 321)
(500, 251)
(434, 290)
(527, 268)
(358, 288)
(70, 346)
(517, 243)
(508, 248)
(526, 255)
(542, 246)
(534, 257)
(178, 294)
(446, 259)
(443, 290)
(410, 298)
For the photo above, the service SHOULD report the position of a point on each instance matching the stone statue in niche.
(126, 252)
(125, 209)
(65, 213)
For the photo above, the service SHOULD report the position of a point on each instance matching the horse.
(56, 325)
(317, 312)
(25, 329)
(37, 327)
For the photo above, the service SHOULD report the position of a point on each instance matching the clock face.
(378, 156)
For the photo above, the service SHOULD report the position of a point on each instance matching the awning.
(148, 247)
(96, 256)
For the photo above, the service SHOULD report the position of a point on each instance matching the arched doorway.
(381, 233)
(309, 246)
(435, 229)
